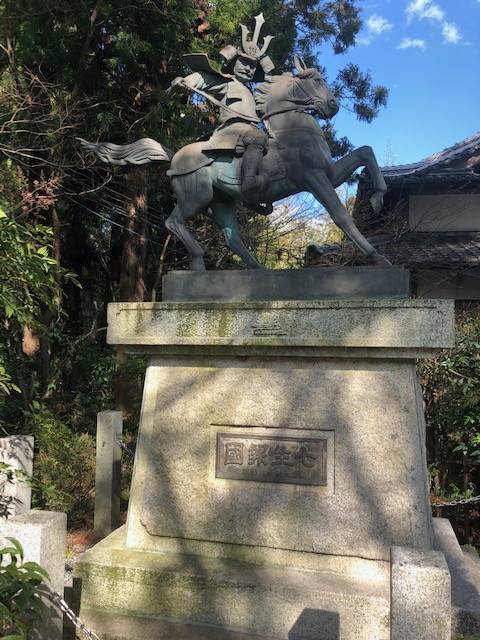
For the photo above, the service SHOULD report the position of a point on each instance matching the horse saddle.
(197, 155)
(272, 164)
(189, 159)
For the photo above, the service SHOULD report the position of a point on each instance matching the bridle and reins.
(305, 105)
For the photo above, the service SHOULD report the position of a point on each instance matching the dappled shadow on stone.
(257, 557)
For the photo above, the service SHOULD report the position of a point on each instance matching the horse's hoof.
(197, 264)
(381, 261)
(377, 201)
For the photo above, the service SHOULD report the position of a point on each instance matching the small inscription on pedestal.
(290, 460)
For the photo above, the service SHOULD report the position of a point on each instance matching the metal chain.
(454, 503)
(57, 600)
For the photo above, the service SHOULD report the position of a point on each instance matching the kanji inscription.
(290, 460)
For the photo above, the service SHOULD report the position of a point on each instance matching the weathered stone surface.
(376, 493)
(17, 452)
(298, 605)
(350, 566)
(463, 572)
(473, 561)
(114, 626)
(464, 590)
(107, 473)
(43, 537)
(287, 284)
(420, 592)
(416, 326)
(272, 558)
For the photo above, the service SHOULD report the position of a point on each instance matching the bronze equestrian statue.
(243, 161)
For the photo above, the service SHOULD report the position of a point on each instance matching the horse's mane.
(263, 90)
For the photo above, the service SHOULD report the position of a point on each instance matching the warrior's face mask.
(245, 68)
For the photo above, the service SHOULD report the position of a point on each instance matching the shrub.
(64, 467)
(21, 605)
(451, 388)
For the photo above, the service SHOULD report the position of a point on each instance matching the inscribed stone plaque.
(291, 460)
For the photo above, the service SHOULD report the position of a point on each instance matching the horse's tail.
(141, 151)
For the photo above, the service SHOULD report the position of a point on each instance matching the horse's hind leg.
(361, 157)
(194, 193)
(321, 187)
(224, 216)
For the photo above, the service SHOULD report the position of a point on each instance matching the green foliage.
(29, 274)
(64, 465)
(21, 606)
(451, 385)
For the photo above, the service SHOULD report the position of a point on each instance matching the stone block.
(43, 537)
(287, 284)
(382, 328)
(111, 625)
(420, 595)
(280, 457)
(376, 494)
(465, 579)
(17, 452)
(107, 473)
(233, 596)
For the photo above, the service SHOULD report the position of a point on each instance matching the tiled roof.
(437, 250)
(434, 249)
(438, 162)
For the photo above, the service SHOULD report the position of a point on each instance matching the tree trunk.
(86, 46)
(134, 255)
(133, 265)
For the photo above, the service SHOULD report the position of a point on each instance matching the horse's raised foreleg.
(224, 216)
(321, 187)
(194, 193)
(361, 157)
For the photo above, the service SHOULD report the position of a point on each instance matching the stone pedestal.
(280, 458)
(42, 535)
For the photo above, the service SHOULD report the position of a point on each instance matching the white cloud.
(451, 33)
(415, 8)
(412, 43)
(366, 40)
(428, 9)
(377, 24)
(434, 12)
(422, 9)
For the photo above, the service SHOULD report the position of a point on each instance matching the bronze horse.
(298, 159)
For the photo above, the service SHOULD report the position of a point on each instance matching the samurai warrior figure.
(237, 130)
(234, 164)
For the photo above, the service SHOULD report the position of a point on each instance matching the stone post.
(421, 595)
(107, 473)
(17, 452)
(42, 535)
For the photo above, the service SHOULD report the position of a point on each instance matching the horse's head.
(306, 89)
(309, 85)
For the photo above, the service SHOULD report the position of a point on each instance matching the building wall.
(446, 212)
(443, 283)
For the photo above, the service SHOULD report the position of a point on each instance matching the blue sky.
(427, 52)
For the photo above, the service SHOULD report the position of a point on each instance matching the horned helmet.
(249, 62)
